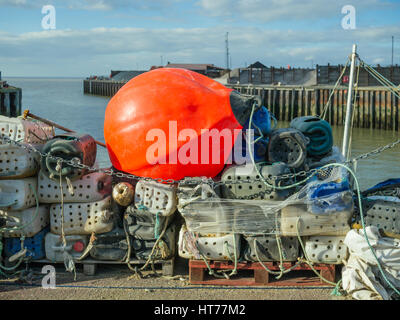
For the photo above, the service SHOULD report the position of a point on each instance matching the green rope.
(363, 225)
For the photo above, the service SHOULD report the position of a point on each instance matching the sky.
(92, 37)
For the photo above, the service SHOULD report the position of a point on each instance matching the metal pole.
(392, 48)
(349, 108)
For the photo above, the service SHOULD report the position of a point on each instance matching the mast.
(349, 108)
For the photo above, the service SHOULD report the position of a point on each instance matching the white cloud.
(272, 10)
(101, 5)
(85, 52)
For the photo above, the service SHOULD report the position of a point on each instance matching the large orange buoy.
(158, 123)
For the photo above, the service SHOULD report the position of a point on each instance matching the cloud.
(91, 5)
(273, 10)
(96, 51)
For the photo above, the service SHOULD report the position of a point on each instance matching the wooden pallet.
(198, 270)
(90, 265)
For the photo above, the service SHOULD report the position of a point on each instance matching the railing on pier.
(375, 107)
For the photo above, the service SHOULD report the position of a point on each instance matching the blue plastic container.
(34, 245)
(261, 124)
(261, 120)
(259, 152)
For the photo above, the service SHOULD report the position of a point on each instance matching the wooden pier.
(105, 88)
(375, 107)
(10, 100)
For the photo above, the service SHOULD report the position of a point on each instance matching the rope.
(327, 105)
(269, 270)
(278, 187)
(380, 78)
(129, 251)
(68, 260)
(363, 225)
(306, 260)
(2, 267)
(22, 236)
(150, 258)
(31, 221)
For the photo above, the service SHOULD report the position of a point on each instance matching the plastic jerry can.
(76, 244)
(35, 245)
(31, 221)
(266, 248)
(253, 188)
(156, 197)
(260, 148)
(202, 208)
(333, 224)
(143, 224)
(261, 121)
(323, 249)
(82, 218)
(211, 248)
(28, 131)
(110, 246)
(18, 194)
(253, 219)
(68, 146)
(143, 248)
(16, 162)
(382, 213)
(89, 188)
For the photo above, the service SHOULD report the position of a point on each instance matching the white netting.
(322, 205)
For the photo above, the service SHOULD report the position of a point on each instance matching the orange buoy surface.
(181, 105)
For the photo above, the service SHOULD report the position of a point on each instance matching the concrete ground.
(126, 286)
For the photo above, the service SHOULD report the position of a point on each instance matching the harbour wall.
(10, 101)
(374, 107)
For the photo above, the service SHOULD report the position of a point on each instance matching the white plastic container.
(26, 217)
(333, 224)
(82, 218)
(18, 194)
(16, 162)
(246, 189)
(76, 244)
(27, 131)
(323, 249)
(92, 187)
(212, 248)
(156, 197)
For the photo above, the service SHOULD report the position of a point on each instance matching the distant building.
(208, 70)
(257, 65)
(258, 74)
(124, 75)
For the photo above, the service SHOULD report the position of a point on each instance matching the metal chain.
(374, 152)
(76, 164)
